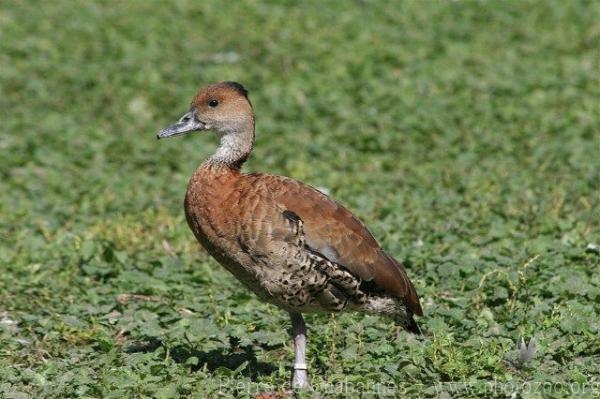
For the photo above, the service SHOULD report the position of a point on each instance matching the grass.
(465, 134)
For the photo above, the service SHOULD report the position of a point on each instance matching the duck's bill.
(186, 124)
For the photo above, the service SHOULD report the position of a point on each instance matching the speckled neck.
(235, 146)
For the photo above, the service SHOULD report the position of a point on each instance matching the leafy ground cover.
(465, 134)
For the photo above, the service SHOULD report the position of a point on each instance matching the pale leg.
(300, 376)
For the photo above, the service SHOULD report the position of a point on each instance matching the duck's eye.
(213, 103)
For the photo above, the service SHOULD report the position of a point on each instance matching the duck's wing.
(334, 232)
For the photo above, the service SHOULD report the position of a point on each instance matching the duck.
(289, 243)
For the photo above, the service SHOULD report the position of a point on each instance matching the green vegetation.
(465, 134)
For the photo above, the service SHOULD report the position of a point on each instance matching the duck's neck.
(235, 146)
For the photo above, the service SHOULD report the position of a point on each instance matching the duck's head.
(221, 107)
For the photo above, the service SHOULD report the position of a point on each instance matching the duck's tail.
(412, 325)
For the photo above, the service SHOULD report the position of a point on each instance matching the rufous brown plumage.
(289, 243)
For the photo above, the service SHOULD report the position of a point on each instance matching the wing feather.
(334, 231)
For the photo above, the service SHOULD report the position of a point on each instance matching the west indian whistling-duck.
(289, 243)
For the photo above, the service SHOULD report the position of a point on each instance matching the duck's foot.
(300, 379)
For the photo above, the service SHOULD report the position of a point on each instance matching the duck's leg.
(300, 376)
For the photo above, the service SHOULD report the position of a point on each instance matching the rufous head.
(221, 107)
